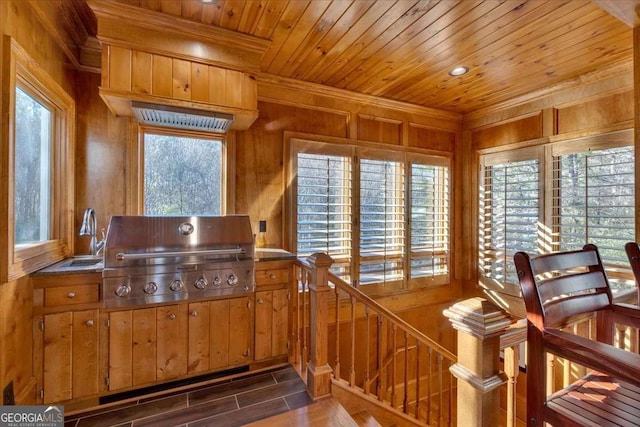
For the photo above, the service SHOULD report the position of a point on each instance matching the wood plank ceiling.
(403, 49)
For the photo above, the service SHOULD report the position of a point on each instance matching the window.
(596, 204)
(38, 156)
(509, 213)
(32, 172)
(383, 216)
(183, 173)
(589, 198)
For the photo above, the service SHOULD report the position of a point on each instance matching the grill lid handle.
(121, 256)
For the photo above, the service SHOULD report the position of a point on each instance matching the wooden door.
(263, 326)
(70, 355)
(279, 322)
(240, 330)
(219, 333)
(172, 327)
(199, 347)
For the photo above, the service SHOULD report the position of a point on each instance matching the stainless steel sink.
(79, 262)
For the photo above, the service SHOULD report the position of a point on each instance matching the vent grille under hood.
(183, 118)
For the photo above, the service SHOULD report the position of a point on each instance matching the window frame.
(548, 152)
(135, 173)
(19, 69)
(303, 143)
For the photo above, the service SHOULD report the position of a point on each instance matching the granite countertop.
(80, 264)
(273, 254)
(83, 264)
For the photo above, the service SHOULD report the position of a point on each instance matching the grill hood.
(180, 117)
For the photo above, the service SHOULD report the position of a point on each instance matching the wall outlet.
(7, 395)
(262, 226)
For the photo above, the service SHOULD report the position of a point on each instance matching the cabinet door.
(264, 308)
(271, 323)
(219, 334)
(132, 348)
(70, 355)
(240, 330)
(172, 341)
(199, 331)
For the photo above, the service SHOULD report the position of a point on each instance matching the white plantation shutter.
(594, 195)
(429, 220)
(509, 215)
(382, 221)
(324, 208)
(383, 216)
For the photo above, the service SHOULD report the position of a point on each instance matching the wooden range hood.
(152, 58)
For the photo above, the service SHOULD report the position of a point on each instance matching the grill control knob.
(150, 288)
(201, 283)
(176, 285)
(123, 290)
(217, 281)
(232, 280)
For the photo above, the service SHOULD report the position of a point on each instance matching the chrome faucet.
(88, 228)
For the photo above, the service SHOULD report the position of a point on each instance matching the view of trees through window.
(597, 205)
(32, 169)
(182, 176)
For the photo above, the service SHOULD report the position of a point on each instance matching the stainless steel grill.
(151, 260)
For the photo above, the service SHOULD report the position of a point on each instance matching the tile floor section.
(231, 403)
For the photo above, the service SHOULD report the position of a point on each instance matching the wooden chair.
(560, 289)
(633, 253)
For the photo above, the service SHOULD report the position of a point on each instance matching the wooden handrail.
(374, 353)
(368, 301)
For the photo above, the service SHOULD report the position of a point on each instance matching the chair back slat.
(578, 283)
(559, 261)
(566, 311)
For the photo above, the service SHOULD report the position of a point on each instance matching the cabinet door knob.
(272, 276)
(89, 322)
(172, 316)
(259, 301)
(71, 295)
(194, 314)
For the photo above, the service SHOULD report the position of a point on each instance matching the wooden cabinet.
(272, 309)
(66, 336)
(157, 344)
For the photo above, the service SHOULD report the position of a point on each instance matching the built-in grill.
(150, 260)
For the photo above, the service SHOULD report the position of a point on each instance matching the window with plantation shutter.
(382, 215)
(509, 215)
(324, 208)
(429, 220)
(382, 221)
(594, 195)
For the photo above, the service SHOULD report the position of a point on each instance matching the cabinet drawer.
(65, 295)
(272, 276)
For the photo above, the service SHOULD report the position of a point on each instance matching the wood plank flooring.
(234, 402)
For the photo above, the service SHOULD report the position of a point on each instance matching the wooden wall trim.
(605, 81)
(277, 89)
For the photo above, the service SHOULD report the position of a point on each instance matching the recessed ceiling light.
(458, 71)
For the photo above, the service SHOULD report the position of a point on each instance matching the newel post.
(318, 369)
(479, 323)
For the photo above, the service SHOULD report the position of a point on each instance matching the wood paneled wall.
(604, 104)
(18, 20)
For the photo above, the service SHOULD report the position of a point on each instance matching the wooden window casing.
(18, 69)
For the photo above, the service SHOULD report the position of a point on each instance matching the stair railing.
(341, 335)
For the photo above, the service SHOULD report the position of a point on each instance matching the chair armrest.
(626, 314)
(602, 357)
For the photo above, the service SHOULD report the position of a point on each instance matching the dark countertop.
(83, 264)
(273, 254)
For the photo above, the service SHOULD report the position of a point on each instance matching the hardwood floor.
(231, 403)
